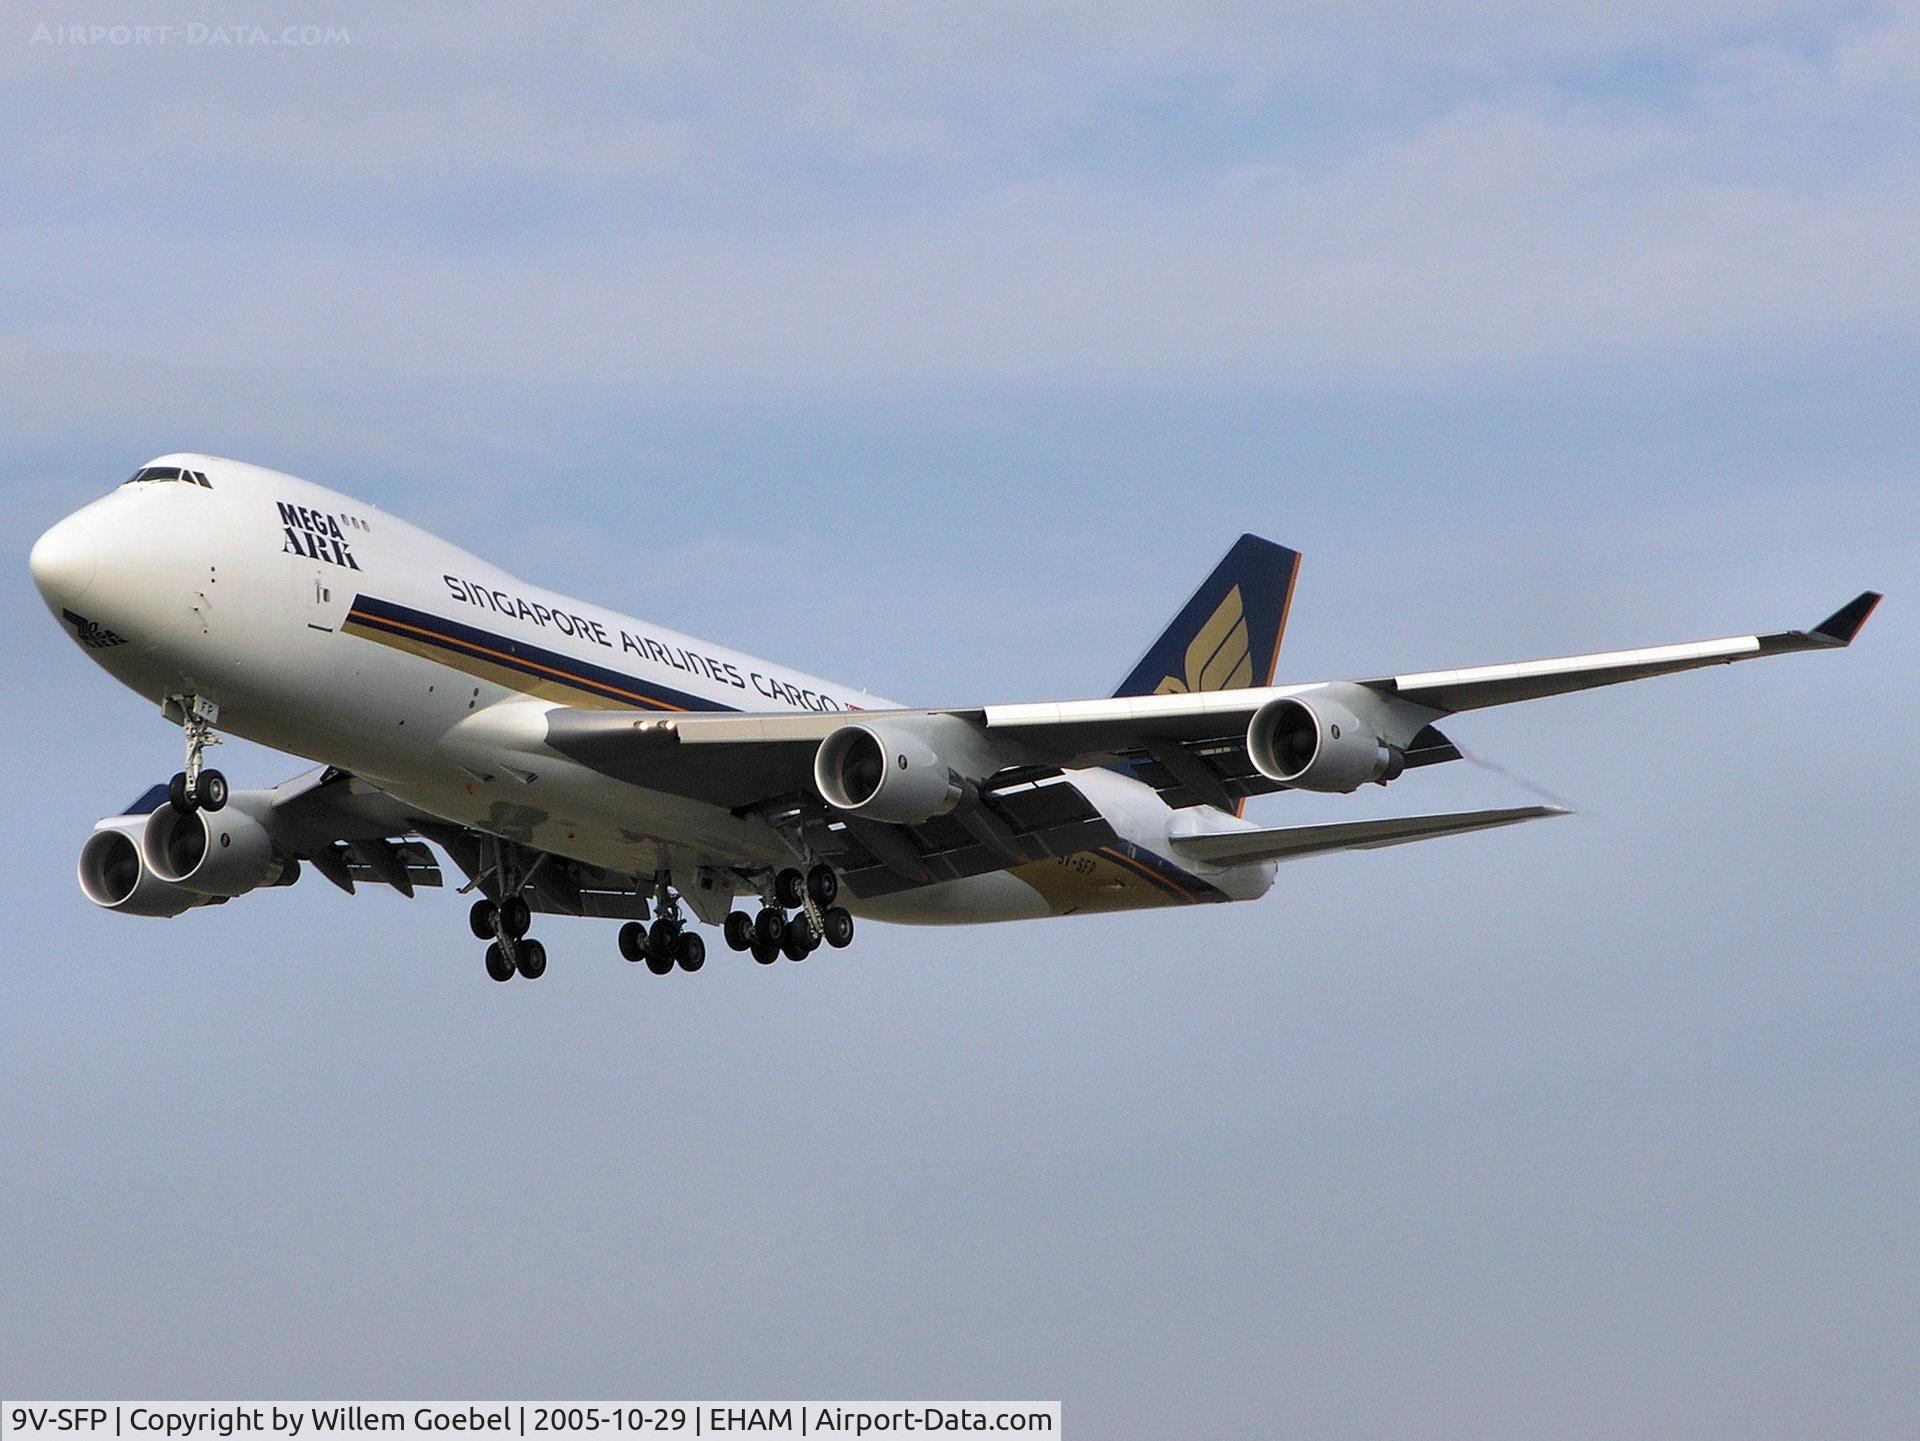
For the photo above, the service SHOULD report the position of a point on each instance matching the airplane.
(573, 761)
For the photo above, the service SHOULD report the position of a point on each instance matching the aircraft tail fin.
(1228, 635)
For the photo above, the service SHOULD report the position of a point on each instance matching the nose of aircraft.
(64, 561)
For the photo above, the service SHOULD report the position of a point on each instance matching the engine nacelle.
(885, 771)
(115, 877)
(1319, 745)
(215, 853)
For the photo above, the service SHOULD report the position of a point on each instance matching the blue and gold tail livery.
(1228, 635)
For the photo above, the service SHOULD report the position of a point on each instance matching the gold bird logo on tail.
(1220, 656)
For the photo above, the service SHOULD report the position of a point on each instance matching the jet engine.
(114, 875)
(1319, 745)
(885, 771)
(214, 853)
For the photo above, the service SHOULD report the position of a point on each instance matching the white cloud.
(732, 200)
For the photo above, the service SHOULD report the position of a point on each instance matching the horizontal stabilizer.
(1229, 848)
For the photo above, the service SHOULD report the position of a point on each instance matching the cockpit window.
(170, 472)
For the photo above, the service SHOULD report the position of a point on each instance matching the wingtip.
(1847, 622)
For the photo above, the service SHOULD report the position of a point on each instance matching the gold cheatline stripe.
(1148, 873)
(513, 661)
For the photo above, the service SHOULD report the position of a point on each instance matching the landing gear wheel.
(738, 930)
(499, 963)
(790, 888)
(480, 919)
(839, 924)
(798, 945)
(692, 951)
(765, 954)
(515, 916)
(659, 962)
(210, 794)
(770, 927)
(662, 937)
(823, 886)
(633, 941)
(177, 796)
(531, 959)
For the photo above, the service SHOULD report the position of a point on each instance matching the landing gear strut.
(505, 921)
(773, 933)
(196, 788)
(502, 916)
(667, 942)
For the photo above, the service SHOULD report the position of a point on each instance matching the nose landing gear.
(196, 788)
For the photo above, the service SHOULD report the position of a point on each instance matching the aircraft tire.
(692, 951)
(765, 954)
(530, 959)
(790, 888)
(177, 796)
(798, 945)
(480, 919)
(839, 925)
(516, 915)
(210, 793)
(499, 965)
(633, 941)
(738, 930)
(823, 885)
(662, 936)
(770, 927)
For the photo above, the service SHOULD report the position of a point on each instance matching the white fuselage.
(324, 627)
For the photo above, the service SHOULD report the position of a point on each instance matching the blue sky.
(941, 349)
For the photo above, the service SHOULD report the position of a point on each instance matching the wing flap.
(1038, 819)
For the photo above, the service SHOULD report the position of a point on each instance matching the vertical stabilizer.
(1228, 635)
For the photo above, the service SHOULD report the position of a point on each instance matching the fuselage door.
(320, 607)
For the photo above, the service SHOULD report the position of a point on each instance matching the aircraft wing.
(354, 833)
(1190, 746)
(1289, 843)
(349, 831)
(1472, 689)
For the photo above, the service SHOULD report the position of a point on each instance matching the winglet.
(1845, 623)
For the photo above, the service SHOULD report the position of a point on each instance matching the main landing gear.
(773, 933)
(663, 945)
(197, 788)
(512, 952)
(503, 922)
(669, 943)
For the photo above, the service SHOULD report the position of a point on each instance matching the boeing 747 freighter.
(573, 761)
